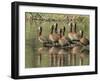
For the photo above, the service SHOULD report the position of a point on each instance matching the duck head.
(75, 28)
(81, 33)
(56, 28)
(40, 30)
(64, 30)
(71, 25)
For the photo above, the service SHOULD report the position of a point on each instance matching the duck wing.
(43, 39)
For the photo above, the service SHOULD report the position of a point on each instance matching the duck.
(41, 38)
(76, 35)
(63, 34)
(70, 33)
(56, 31)
(63, 41)
(83, 40)
(53, 36)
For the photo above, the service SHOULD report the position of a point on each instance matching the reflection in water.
(84, 54)
(53, 51)
(76, 50)
(62, 57)
(41, 51)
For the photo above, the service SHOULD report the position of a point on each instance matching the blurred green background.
(34, 20)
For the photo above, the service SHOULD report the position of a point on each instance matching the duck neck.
(40, 33)
(60, 33)
(63, 33)
(81, 34)
(70, 27)
(75, 28)
(52, 28)
(51, 31)
(56, 28)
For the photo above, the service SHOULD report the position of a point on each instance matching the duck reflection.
(53, 52)
(76, 50)
(61, 57)
(56, 57)
(41, 51)
(83, 55)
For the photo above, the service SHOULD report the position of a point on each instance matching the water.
(56, 57)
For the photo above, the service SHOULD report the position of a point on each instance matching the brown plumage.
(76, 35)
(41, 38)
(70, 33)
(83, 39)
(63, 40)
(76, 49)
(54, 37)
